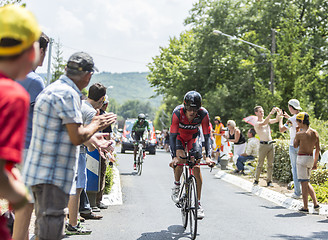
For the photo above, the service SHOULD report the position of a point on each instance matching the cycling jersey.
(140, 128)
(182, 131)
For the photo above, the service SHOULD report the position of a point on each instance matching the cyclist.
(184, 131)
(139, 127)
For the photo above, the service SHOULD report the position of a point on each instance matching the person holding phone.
(291, 124)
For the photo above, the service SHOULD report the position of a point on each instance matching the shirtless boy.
(262, 128)
(306, 139)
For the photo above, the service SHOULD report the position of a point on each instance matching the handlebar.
(199, 164)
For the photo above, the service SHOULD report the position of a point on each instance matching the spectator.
(306, 139)
(94, 101)
(218, 133)
(266, 149)
(33, 84)
(167, 140)
(237, 137)
(19, 53)
(251, 152)
(57, 132)
(291, 124)
(103, 163)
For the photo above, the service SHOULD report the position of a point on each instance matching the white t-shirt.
(292, 129)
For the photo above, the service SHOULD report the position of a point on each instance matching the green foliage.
(162, 120)
(131, 109)
(322, 128)
(319, 176)
(58, 65)
(281, 165)
(108, 179)
(321, 192)
(231, 74)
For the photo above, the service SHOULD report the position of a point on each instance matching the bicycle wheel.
(193, 206)
(183, 201)
(139, 163)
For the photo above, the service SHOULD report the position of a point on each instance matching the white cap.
(295, 104)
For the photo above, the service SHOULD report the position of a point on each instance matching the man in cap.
(57, 131)
(291, 124)
(306, 140)
(19, 33)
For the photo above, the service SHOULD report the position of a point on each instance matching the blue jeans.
(241, 160)
(84, 202)
(293, 156)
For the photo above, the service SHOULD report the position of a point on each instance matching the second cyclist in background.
(184, 131)
(139, 127)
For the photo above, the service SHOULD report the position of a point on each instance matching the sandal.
(303, 210)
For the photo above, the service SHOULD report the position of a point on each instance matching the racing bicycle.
(188, 200)
(141, 155)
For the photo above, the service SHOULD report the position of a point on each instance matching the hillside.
(127, 86)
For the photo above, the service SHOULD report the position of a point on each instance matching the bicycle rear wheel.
(183, 200)
(193, 206)
(139, 163)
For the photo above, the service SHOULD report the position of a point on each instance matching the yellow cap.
(217, 118)
(302, 116)
(19, 24)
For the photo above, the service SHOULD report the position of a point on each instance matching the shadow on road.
(273, 207)
(245, 193)
(290, 215)
(129, 174)
(172, 232)
(315, 235)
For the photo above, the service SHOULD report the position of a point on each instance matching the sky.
(121, 35)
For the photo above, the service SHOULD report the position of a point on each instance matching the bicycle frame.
(140, 157)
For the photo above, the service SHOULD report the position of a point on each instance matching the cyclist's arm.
(173, 142)
(174, 129)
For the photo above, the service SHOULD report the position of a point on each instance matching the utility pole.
(273, 51)
(49, 60)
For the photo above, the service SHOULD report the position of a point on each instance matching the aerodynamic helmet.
(141, 116)
(192, 100)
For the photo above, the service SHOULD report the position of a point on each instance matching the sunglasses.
(192, 109)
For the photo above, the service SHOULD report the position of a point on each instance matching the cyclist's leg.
(195, 149)
(180, 153)
(136, 139)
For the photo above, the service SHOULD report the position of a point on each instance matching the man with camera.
(266, 149)
(291, 124)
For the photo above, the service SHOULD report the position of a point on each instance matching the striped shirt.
(52, 157)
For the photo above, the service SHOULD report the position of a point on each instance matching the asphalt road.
(148, 212)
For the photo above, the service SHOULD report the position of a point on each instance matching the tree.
(233, 76)
(58, 65)
(132, 108)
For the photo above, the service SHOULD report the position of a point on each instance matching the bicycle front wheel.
(139, 163)
(193, 206)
